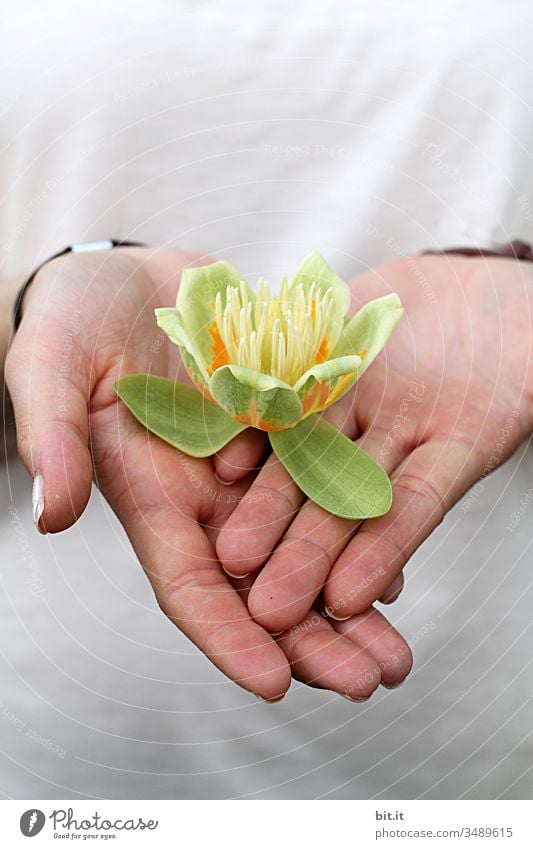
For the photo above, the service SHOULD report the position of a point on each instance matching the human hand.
(448, 399)
(88, 320)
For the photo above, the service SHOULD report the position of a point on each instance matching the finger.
(393, 591)
(147, 489)
(425, 487)
(259, 521)
(322, 658)
(47, 377)
(240, 456)
(373, 633)
(297, 570)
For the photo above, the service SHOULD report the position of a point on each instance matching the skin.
(448, 399)
(88, 320)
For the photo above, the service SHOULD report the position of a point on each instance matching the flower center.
(281, 335)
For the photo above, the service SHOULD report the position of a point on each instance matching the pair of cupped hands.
(266, 583)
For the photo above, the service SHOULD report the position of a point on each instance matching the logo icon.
(32, 822)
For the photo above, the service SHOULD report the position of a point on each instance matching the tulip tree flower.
(272, 362)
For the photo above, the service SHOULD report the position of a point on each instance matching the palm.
(452, 388)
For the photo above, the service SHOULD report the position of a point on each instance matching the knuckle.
(285, 498)
(421, 488)
(309, 549)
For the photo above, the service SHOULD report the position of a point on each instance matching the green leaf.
(178, 414)
(332, 470)
(255, 399)
(369, 330)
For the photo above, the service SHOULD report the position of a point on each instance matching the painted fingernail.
(37, 501)
(393, 686)
(227, 571)
(270, 701)
(223, 482)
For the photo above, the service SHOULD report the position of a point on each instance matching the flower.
(272, 360)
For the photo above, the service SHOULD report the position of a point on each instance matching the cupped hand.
(88, 320)
(447, 401)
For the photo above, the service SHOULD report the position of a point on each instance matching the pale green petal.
(178, 414)
(169, 320)
(368, 331)
(314, 269)
(325, 383)
(332, 470)
(255, 399)
(196, 305)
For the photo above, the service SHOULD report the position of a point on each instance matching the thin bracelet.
(83, 247)
(512, 250)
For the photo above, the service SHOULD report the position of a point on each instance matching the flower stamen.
(282, 335)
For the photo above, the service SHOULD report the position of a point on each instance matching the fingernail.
(227, 571)
(393, 686)
(270, 701)
(275, 633)
(223, 482)
(335, 616)
(355, 698)
(37, 501)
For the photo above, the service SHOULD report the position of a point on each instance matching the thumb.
(47, 375)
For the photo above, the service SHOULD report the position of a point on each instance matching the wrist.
(82, 248)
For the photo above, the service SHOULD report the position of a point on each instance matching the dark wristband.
(513, 250)
(84, 247)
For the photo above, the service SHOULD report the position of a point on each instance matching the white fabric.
(258, 134)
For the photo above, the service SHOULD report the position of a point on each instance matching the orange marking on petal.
(322, 353)
(322, 395)
(220, 354)
(362, 353)
(338, 389)
(316, 398)
(200, 385)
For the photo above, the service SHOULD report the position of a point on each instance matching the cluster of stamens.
(280, 335)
